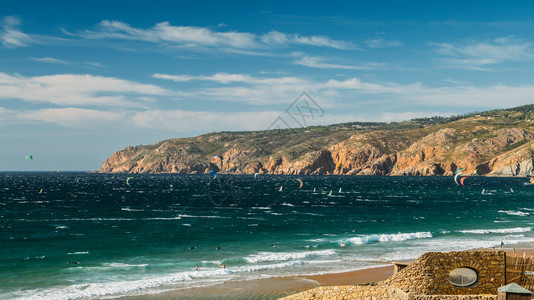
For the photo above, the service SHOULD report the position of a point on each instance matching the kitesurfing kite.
(458, 171)
(301, 183)
(256, 175)
(214, 174)
(217, 156)
(29, 156)
(456, 177)
(128, 180)
(461, 179)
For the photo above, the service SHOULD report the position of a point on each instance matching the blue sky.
(79, 81)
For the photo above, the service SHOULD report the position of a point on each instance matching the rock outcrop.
(498, 143)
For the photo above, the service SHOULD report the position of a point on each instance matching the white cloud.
(204, 121)
(378, 101)
(76, 90)
(478, 55)
(317, 62)
(50, 60)
(226, 78)
(243, 88)
(10, 36)
(173, 35)
(278, 38)
(74, 117)
(189, 36)
(382, 43)
(252, 90)
(95, 64)
(494, 96)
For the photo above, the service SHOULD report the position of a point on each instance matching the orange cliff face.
(501, 150)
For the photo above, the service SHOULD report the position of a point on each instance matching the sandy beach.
(275, 288)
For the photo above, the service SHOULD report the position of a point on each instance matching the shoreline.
(278, 287)
(274, 287)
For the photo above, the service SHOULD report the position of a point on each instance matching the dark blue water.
(82, 235)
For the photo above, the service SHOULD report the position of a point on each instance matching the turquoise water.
(83, 235)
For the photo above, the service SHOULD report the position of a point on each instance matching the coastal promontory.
(493, 143)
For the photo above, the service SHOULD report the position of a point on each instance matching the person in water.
(197, 268)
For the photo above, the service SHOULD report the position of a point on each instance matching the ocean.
(75, 235)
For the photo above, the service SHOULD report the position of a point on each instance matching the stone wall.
(429, 274)
(427, 278)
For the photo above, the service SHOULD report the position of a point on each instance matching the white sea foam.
(90, 290)
(503, 230)
(317, 240)
(515, 213)
(206, 217)
(118, 288)
(78, 253)
(122, 265)
(281, 256)
(398, 237)
(131, 209)
(288, 204)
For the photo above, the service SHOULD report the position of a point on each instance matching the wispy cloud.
(76, 90)
(226, 78)
(189, 36)
(480, 55)
(11, 36)
(50, 60)
(243, 88)
(88, 101)
(73, 117)
(382, 43)
(253, 90)
(182, 121)
(279, 38)
(318, 62)
(95, 64)
(205, 121)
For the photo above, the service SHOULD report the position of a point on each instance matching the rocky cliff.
(495, 143)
